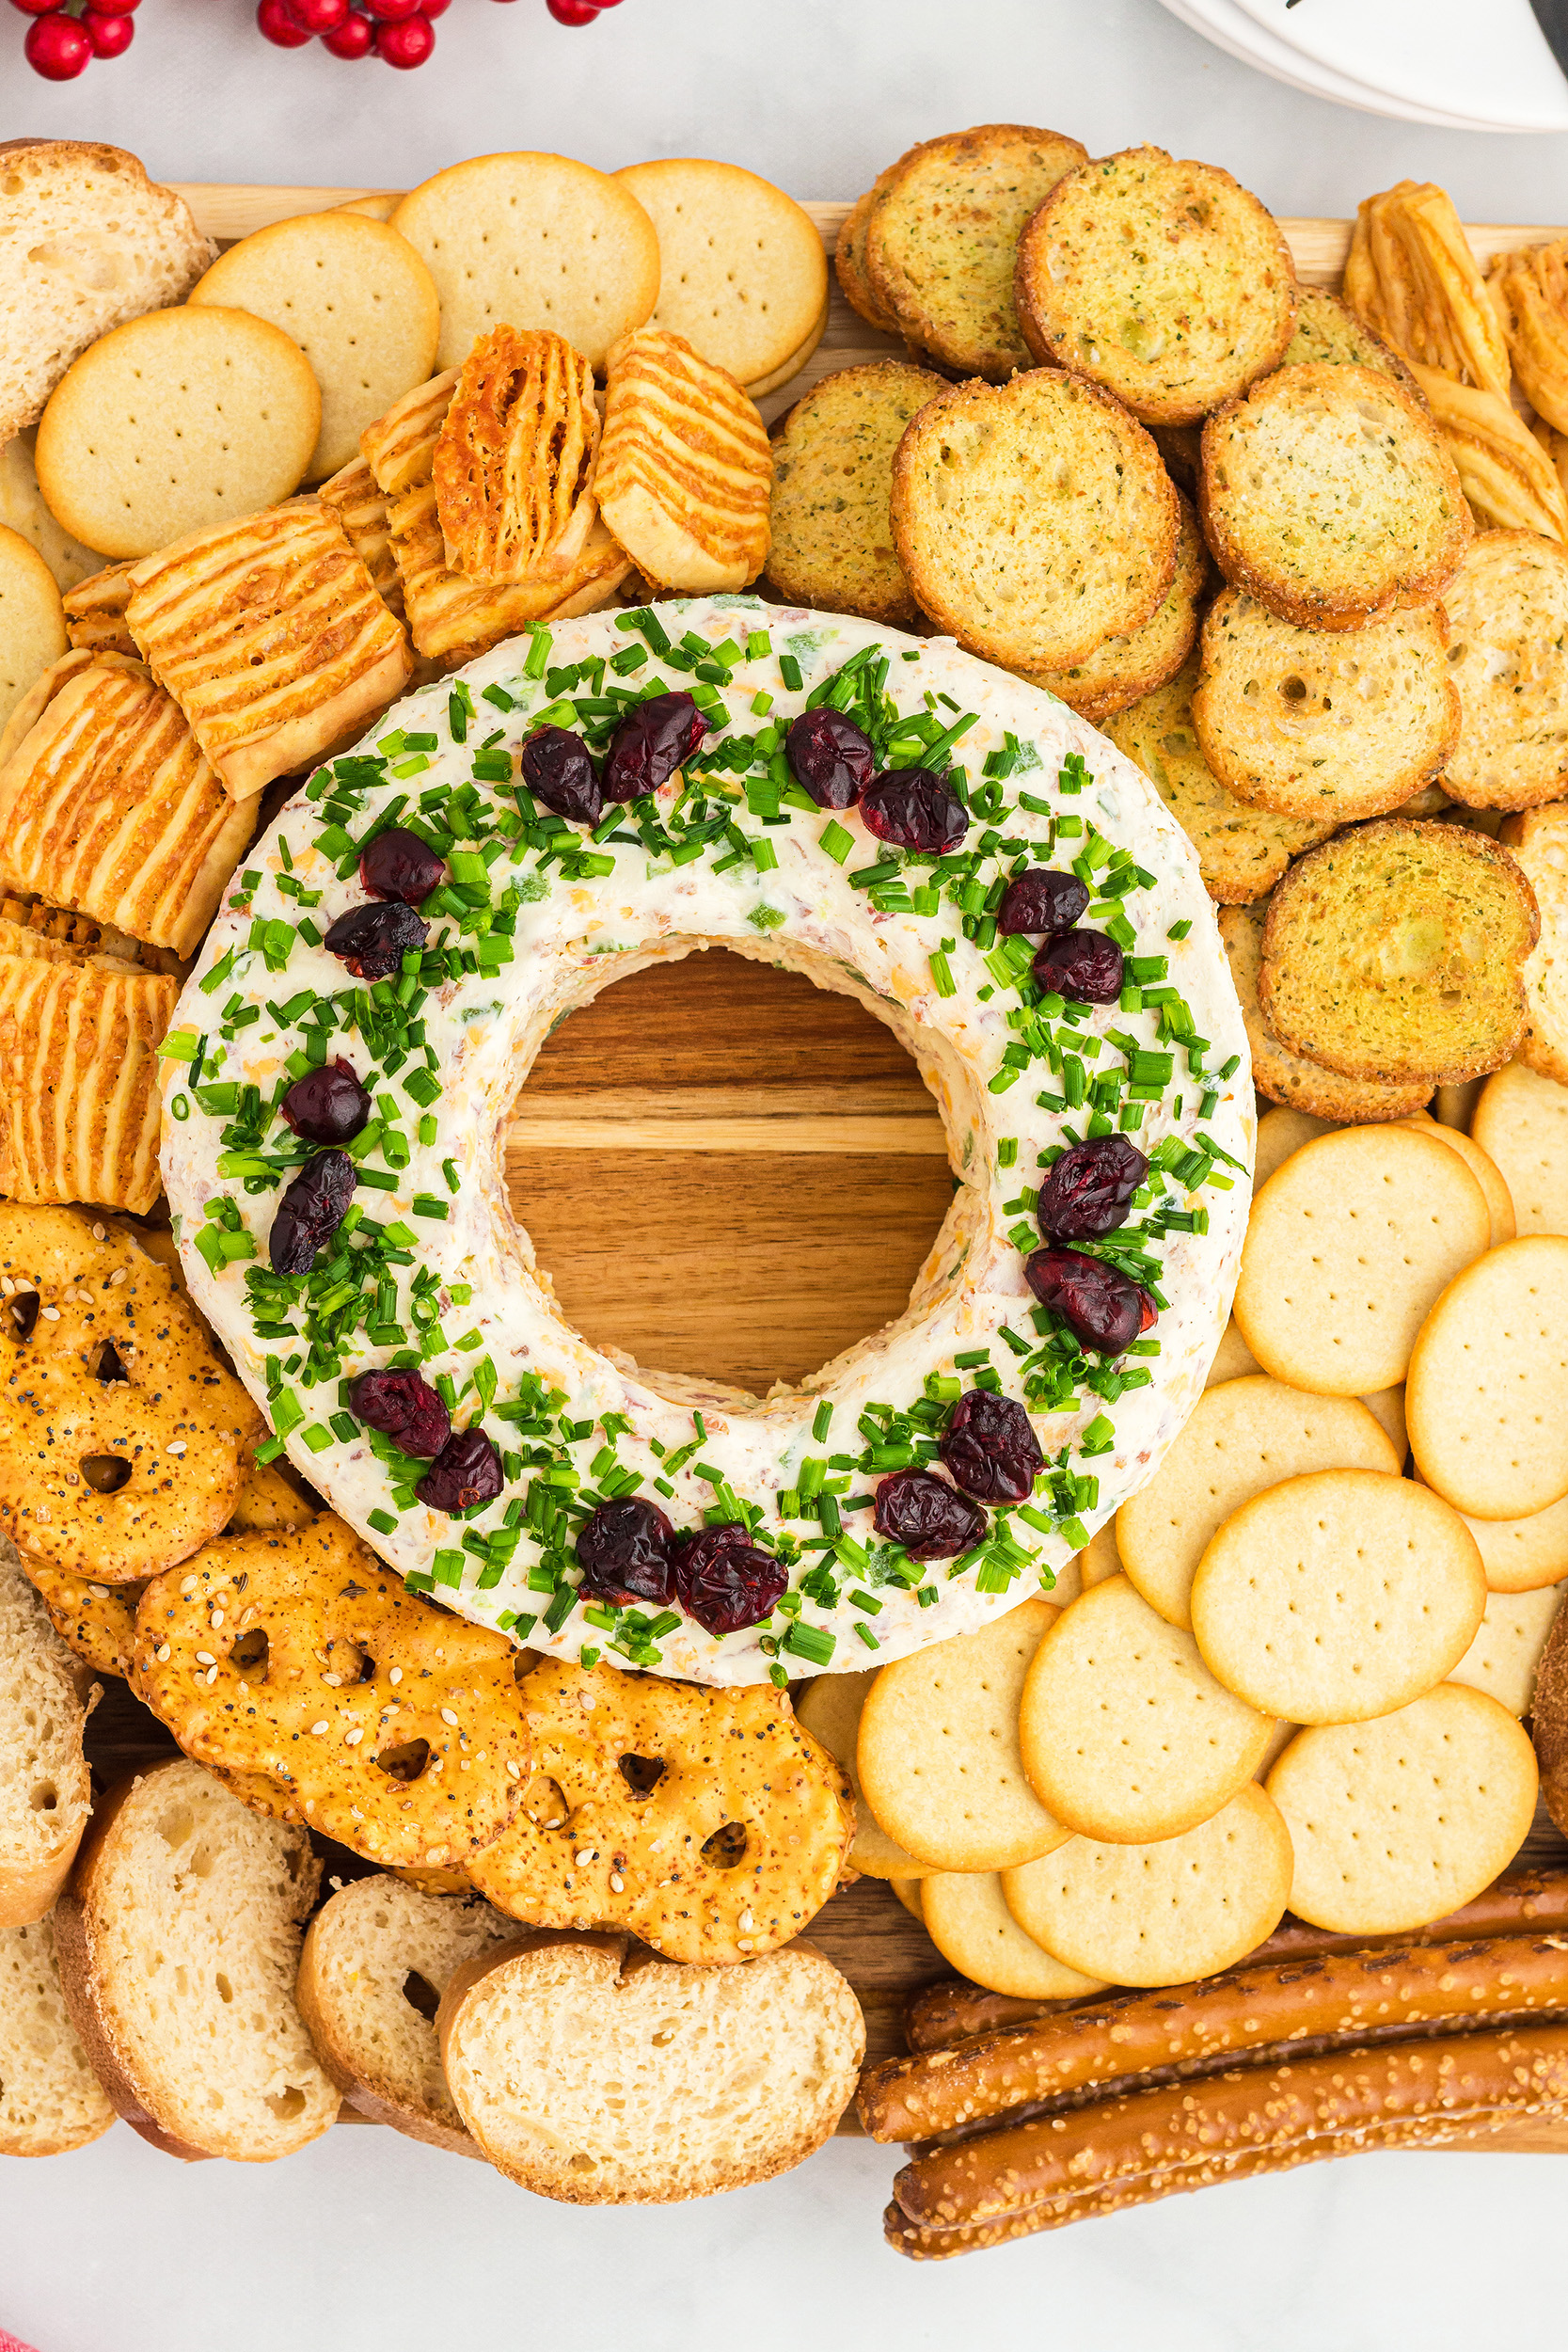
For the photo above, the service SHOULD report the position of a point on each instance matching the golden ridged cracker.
(95, 612)
(513, 461)
(79, 1081)
(685, 467)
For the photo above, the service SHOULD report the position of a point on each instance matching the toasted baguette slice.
(590, 2071)
(50, 2099)
(1290, 1079)
(1538, 839)
(1336, 723)
(1397, 951)
(179, 1940)
(1032, 519)
(45, 1796)
(87, 241)
(1329, 496)
(849, 261)
(377, 1958)
(1164, 282)
(1328, 330)
(1507, 618)
(1123, 668)
(832, 543)
(1241, 851)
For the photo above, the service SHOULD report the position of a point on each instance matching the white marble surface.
(368, 2241)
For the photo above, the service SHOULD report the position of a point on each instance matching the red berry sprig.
(65, 36)
(399, 32)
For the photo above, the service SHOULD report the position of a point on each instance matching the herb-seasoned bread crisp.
(1242, 850)
(833, 481)
(1539, 840)
(87, 241)
(1397, 951)
(51, 2101)
(179, 1941)
(1164, 282)
(1034, 518)
(940, 237)
(45, 1795)
(849, 260)
(1325, 724)
(1508, 620)
(1123, 668)
(377, 1958)
(722, 2075)
(1328, 330)
(1328, 495)
(1290, 1079)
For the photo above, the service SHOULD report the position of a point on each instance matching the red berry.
(319, 16)
(433, 8)
(393, 11)
(573, 11)
(110, 36)
(113, 7)
(353, 39)
(275, 24)
(36, 8)
(405, 45)
(57, 47)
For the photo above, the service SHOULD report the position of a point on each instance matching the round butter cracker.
(1482, 1167)
(1521, 1121)
(1505, 1657)
(831, 1709)
(743, 272)
(32, 623)
(1487, 1397)
(969, 1922)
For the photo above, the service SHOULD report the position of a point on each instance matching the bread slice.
(45, 1795)
(1124, 668)
(1336, 723)
(1508, 621)
(51, 2101)
(940, 233)
(1241, 851)
(1290, 1079)
(590, 2071)
(1329, 495)
(1397, 951)
(1034, 518)
(832, 479)
(1539, 840)
(1164, 282)
(87, 241)
(849, 260)
(378, 1956)
(179, 1940)
(1328, 330)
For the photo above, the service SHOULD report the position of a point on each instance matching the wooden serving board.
(729, 1172)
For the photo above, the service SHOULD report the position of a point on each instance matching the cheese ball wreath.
(904, 824)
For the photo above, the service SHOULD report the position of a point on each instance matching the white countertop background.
(366, 2240)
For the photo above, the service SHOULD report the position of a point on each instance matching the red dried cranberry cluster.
(66, 35)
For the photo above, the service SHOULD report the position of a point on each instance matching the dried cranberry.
(1042, 903)
(627, 1551)
(466, 1471)
(404, 1409)
(991, 1449)
(398, 864)
(930, 1518)
(1102, 1309)
(724, 1580)
(915, 810)
(1089, 1189)
(557, 770)
(830, 757)
(310, 1212)
(1084, 965)
(649, 745)
(372, 939)
(329, 1104)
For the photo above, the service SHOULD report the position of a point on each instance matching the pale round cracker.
(1482, 1167)
(1243, 1436)
(174, 422)
(1163, 1913)
(1125, 1733)
(1233, 1360)
(1487, 1396)
(908, 1892)
(830, 1708)
(1338, 1596)
(23, 508)
(1280, 1131)
(357, 299)
(970, 1924)
(1521, 1120)
(1282, 1736)
(32, 624)
(531, 240)
(788, 369)
(1522, 1555)
(1505, 1656)
(1347, 1247)
(743, 272)
(1399, 1822)
(1387, 1407)
(380, 207)
(937, 1751)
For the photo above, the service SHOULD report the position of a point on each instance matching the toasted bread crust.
(1122, 669)
(1024, 567)
(849, 261)
(1290, 1079)
(1278, 463)
(1368, 954)
(1138, 249)
(1508, 608)
(833, 473)
(1328, 330)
